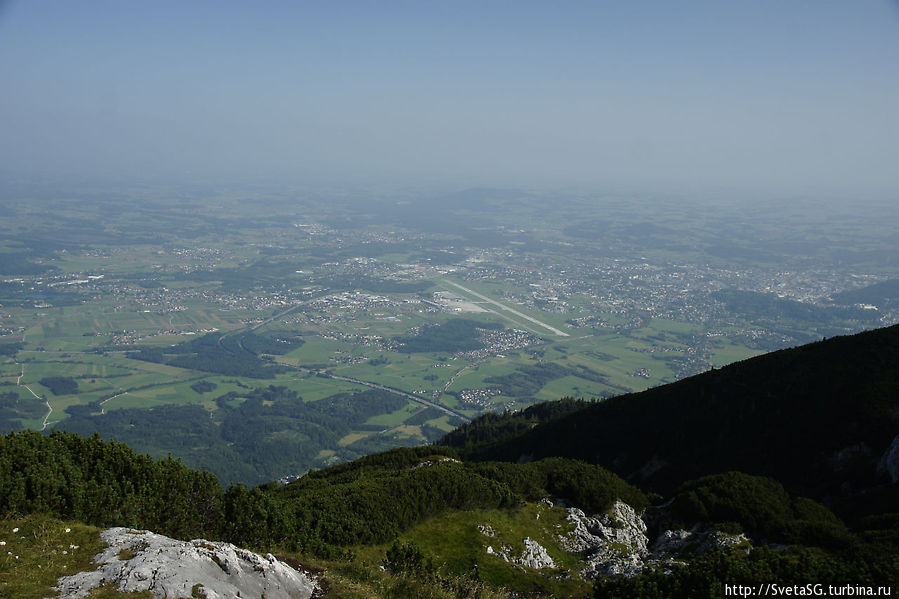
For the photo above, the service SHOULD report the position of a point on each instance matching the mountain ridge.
(818, 417)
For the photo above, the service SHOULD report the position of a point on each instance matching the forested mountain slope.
(820, 418)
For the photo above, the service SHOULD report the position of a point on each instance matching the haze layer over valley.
(263, 332)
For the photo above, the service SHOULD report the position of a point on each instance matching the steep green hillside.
(369, 500)
(818, 418)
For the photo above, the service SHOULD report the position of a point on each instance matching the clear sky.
(779, 95)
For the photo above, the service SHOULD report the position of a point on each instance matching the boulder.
(535, 556)
(139, 560)
(614, 543)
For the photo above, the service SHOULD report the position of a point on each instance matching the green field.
(80, 342)
(462, 547)
(628, 284)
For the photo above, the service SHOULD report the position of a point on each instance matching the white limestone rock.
(502, 553)
(139, 560)
(535, 556)
(614, 544)
(486, 530)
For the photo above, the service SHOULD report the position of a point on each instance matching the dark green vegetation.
(105, 484)
(21, 263)
(254, 436)
(204, 386)
(60, 385)
(809, 545)
(367, 501)
(494, 428)
(803, 568)
(817, 417)
(884, 294)
(14, 407)
(233, 355)
(789, 315)
(760, 506)
(454, 335)
(10, 349)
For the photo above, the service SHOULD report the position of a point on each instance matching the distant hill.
(819, 418)
(885, 293)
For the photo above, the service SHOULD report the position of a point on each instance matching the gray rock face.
(673, 543)
(140, 560)
(889, 463)
(535, 556)
(615, 544)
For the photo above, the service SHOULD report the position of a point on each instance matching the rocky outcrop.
(613, 544)
(534, 555)
(139, 560)
(675, 543)
(486, 530)
(616, 543)
(672, 542)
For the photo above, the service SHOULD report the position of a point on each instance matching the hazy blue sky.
(778, 95)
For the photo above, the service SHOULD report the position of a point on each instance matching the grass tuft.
(37, 550)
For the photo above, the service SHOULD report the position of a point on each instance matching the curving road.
(393, 390)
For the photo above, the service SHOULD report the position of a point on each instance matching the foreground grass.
(458, 550)
(37, 550)
(363, 580)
